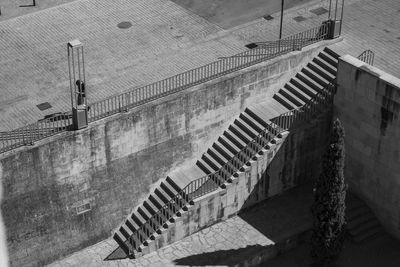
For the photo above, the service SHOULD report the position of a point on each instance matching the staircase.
(361, 222)
(254, 131)
(310, 81)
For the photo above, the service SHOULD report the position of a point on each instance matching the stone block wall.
(72, 190)
(368, 104)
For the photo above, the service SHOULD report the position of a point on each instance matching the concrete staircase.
(221, 162)
(249, 136)
(311, 80)
(361, 221)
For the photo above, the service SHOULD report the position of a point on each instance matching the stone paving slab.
(368, 24)
(165, 40)
(225, 243)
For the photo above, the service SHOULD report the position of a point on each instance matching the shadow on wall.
(220, 257)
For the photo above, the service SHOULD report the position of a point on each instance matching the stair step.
(310, 82)
(169, 189)
(156, 201)
(292, 97)
(315, 76)
(222, 150)
(164, 197)
(328, 58)
(163, 190)
(306, 89)
(235, 129)
(247, 128)
(216, 165)
(125, 231)
(131, 224)
(144, 213)
(206, 166)
(355, 222)
(228, 144)
(173, 184)
(368, 234)
(212, 152)
(239, 143)
(321, 71)
(251, 121)
(118, 237)
(325, 65)
(284, 101)
(364, 227)
(298, 92)
(150, 206)
(331, 52)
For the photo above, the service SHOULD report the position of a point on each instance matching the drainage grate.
(319, 11)
(251, 46)
(44, 106)
(299, 18)
(124, 25)
(268, 17)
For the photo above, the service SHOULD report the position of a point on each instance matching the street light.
(280, 27)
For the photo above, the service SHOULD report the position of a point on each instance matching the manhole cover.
(44, 106)
(124, 25)
(268, 17)
(319, 11)
(299, 18)
(251, 46)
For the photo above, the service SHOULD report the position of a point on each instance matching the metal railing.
(226, 65)
(213, 181)
(367, 56)
(36, 131)
(41, 129)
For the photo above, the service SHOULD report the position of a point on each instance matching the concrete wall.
(295, 159)
(72, 190)
(368, 104)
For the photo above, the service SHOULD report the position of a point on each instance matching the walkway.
(225, 243)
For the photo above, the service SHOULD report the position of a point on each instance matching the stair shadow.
(220, 257)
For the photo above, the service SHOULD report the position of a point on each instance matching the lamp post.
(280, 27)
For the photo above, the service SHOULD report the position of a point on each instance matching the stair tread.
(310, 82)
(208, 157)
(333, 61)
(235, 129)
(298, 92)
(215, 153)
(325, 65)
(248, 128)
(318, 78)
(220, 147)
(331, 52)
(284, 101)
(231, 145)
(321, 71)
(205, 167)
(292, 97)
(247, 117)
(300, 85)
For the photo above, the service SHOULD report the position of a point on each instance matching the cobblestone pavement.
(225, 243)
(165, 40)
(368, 24)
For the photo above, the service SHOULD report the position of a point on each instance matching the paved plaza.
(165, 40)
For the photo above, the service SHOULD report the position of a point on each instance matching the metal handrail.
(197, 188)
(216, 69)
(367, 56)
(36, 131)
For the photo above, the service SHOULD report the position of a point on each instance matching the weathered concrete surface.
(110, 167)
(246, 239)
(368, 104)
(294, 160)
